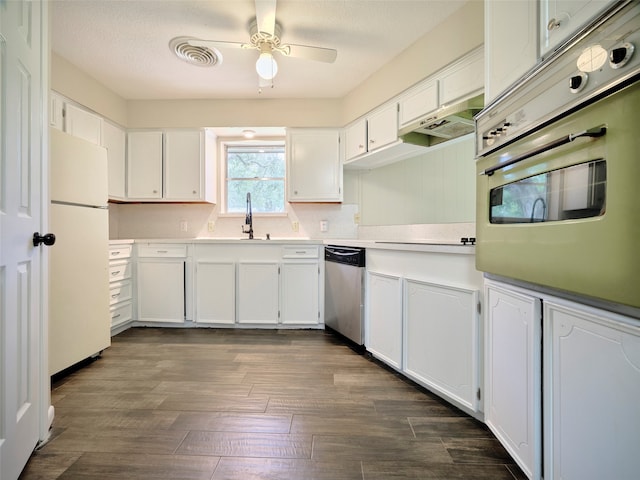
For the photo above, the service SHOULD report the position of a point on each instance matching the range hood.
(446, 123)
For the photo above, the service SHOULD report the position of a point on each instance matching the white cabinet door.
(258, 293)
(511, 43)
(83, 124)
(300, 290)
(559, 19)
(215, 292)
(592, 386)
(114, 140)
(464, 79)
(441, 340)
(56, 111)
(512, 374)
(355, 139)
(314, 165)
(382, 127)
(144, 165)
(183, 164)
(384, 318)
(419, 102)
(161, 291)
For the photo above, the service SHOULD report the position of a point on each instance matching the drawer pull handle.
(115, 254)
(115, 295)
(116, 316)
(162, 251)
(115, 273)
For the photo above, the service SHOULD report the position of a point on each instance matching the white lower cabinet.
(215, 294)
(582, 413)
(300, 283)
(384, 318)
(441, 339)
(258, 293)
(422, 319)
(120, 286)
(160, 276)
(512, 374)
(592, 387)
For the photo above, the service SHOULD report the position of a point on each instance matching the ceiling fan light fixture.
(266, 65)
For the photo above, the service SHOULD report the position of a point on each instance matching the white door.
(24, 392)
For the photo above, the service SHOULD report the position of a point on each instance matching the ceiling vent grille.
(201, 56)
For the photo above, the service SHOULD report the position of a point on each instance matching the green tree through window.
(259, 170)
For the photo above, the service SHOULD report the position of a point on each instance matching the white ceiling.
(124, 44)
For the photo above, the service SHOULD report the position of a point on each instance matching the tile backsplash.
(194, 221)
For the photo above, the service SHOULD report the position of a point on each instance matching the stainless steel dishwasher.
(344, 291)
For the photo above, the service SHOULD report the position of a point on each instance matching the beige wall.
(234, 113)
(459, 34)
(73, 83)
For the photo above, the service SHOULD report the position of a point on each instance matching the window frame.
(271, 142)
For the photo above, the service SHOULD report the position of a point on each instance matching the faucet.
(248, 218)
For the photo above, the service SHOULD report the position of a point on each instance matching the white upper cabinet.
(171, 166)
(511, 43)
(184, 165)
(114, 140)
(419, 102)
(314, 165)
(462, 79)
(559, 19)
(355, 139)
(56, 111)
(74, 120)
(382, 127)
(375, 131)
(144, 165)
(83, 124)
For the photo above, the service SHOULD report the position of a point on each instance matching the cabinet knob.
(553, 24)
(194, 192)
(155, 191)
(295, 192)
(372, 141)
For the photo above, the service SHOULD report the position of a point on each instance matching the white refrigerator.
(79, 318)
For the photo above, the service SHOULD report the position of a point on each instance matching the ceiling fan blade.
(266, 16)
(195, 42)
(319, 54)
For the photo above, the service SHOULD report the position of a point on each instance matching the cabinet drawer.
(162, 251)
(120, 314)
(121, 251)
(300, 252)
(119, 271)
(119, 292)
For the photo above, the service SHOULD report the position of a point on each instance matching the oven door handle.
(591, 133)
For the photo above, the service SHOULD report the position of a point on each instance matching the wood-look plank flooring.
(220, 404)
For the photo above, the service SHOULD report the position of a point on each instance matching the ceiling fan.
(265, 34)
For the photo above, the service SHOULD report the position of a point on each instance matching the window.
(255, 169)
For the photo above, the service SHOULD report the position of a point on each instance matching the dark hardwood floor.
(255, 404)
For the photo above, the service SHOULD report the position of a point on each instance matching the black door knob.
(48, 239)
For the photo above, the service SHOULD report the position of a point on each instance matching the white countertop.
(409, 246)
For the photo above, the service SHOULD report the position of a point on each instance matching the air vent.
(201, 56)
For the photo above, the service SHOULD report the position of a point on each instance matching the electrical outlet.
(184, 226)
(295, 226)
(356, 218)
(210, 225)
